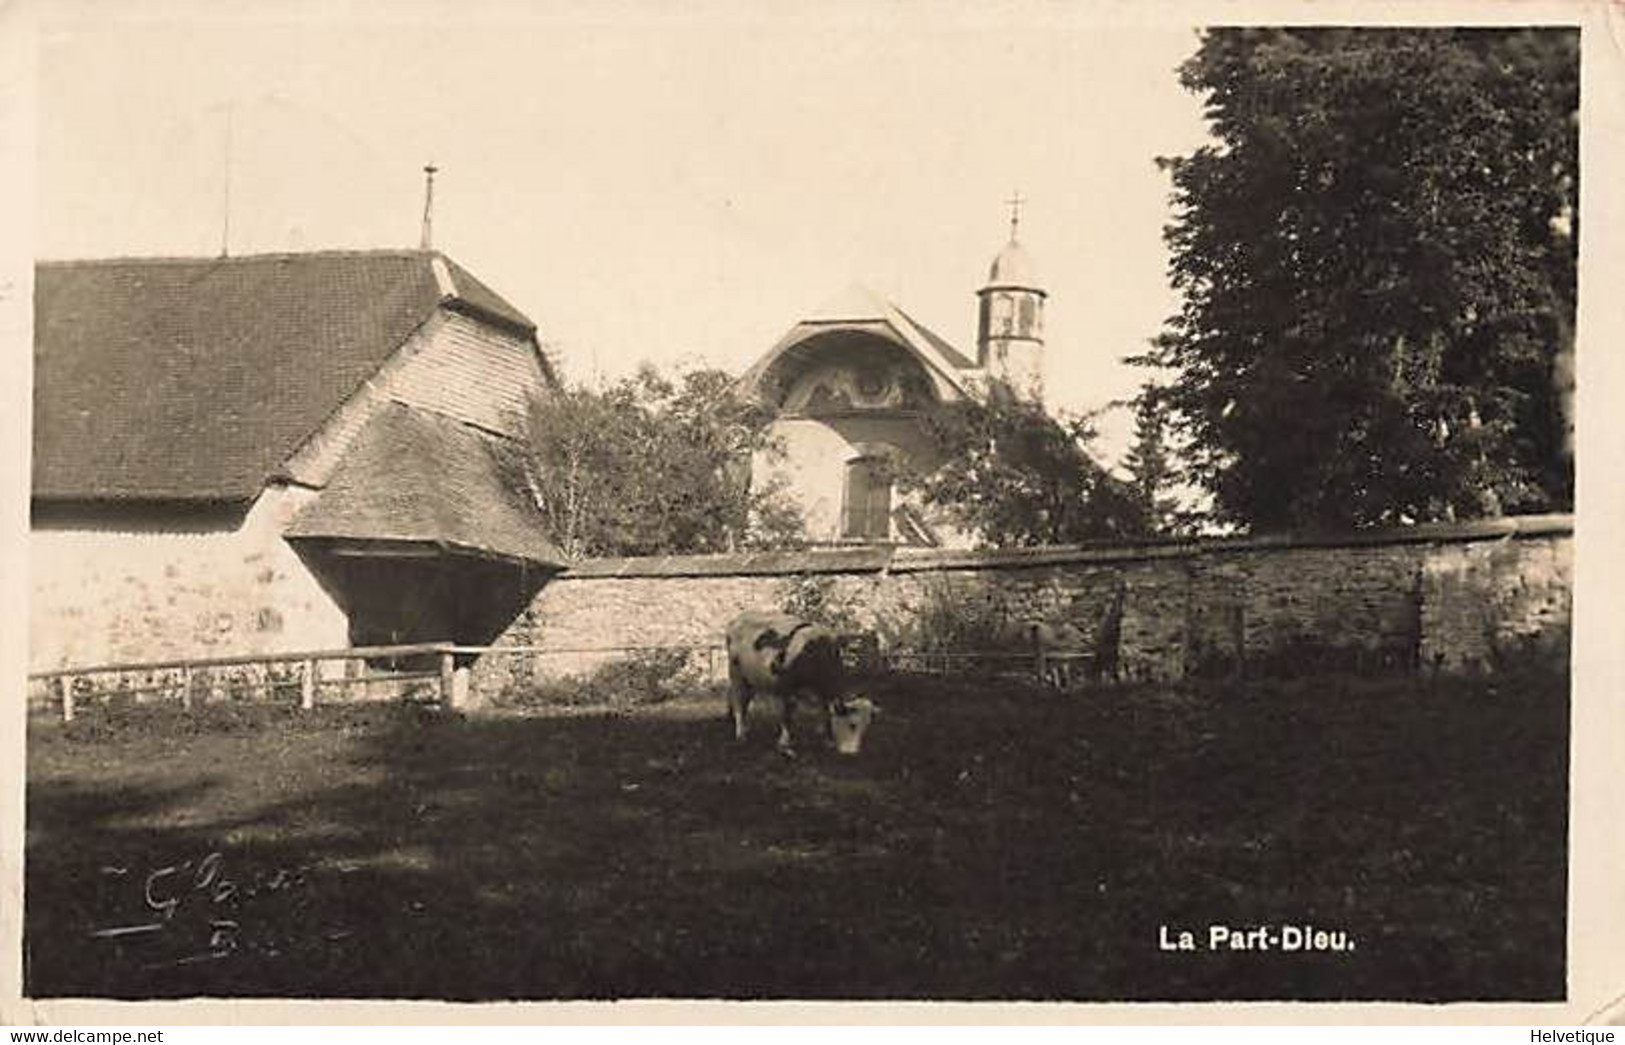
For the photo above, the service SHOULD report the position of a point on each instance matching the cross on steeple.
(1015, 202)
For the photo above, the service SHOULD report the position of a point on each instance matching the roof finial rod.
(429, 170)
(225, 205)
(1015, 202)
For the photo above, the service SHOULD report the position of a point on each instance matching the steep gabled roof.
(953, 356)
(195, 378)
(862, 311)
(424, 478)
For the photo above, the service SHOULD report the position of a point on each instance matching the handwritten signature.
(198, 898)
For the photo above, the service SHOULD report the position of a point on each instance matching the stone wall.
(113, 588)
(1485, 602)
(125, 584)
(1458, 597)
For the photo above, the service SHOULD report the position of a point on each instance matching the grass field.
(988, 843)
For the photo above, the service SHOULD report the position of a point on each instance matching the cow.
(789, 657)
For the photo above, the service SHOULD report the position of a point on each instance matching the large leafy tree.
(650, 465)
(1377, 260)
(1014, 475)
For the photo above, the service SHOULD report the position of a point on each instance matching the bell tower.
(1010, 330)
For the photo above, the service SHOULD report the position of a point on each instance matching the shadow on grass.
(987, 844)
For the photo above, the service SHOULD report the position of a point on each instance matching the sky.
(662, 182)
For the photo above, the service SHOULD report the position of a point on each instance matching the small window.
(867, 512)
(1003, 314)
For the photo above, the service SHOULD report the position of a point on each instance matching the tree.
(651, 465)
(1377, 261)
(1152, 473)
(1016, 476)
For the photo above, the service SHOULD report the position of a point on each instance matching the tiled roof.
(194, 379)
(420, 477)
(470, 295)
(954, 356)
(858, 303)
(858, 309)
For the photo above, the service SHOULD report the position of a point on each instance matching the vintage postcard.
(534, 505)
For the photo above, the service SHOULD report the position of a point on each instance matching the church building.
(852, 384)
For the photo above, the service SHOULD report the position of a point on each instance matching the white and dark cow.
(789, 657)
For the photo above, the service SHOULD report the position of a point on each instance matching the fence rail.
(69, 685)
(1050, 667)
(1053, 667)
(543, 650)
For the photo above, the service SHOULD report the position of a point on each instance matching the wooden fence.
(1052, 668)
(208, 678)
(861, 652)
(205, 678)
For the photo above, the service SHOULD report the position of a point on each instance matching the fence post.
(1239, 636)
(186, 689)
(307, 685)
(66, 682)
(448, 681)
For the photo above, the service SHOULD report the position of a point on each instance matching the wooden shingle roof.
(423, 478)
(194, 379)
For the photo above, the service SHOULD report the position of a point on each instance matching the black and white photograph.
(529, 502)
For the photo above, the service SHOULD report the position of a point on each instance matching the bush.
(646, 677)
(813, 598)
(951, 619)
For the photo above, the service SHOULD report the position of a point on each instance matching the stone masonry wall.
(1486, 602)
(107, 589)
(1459, 597)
